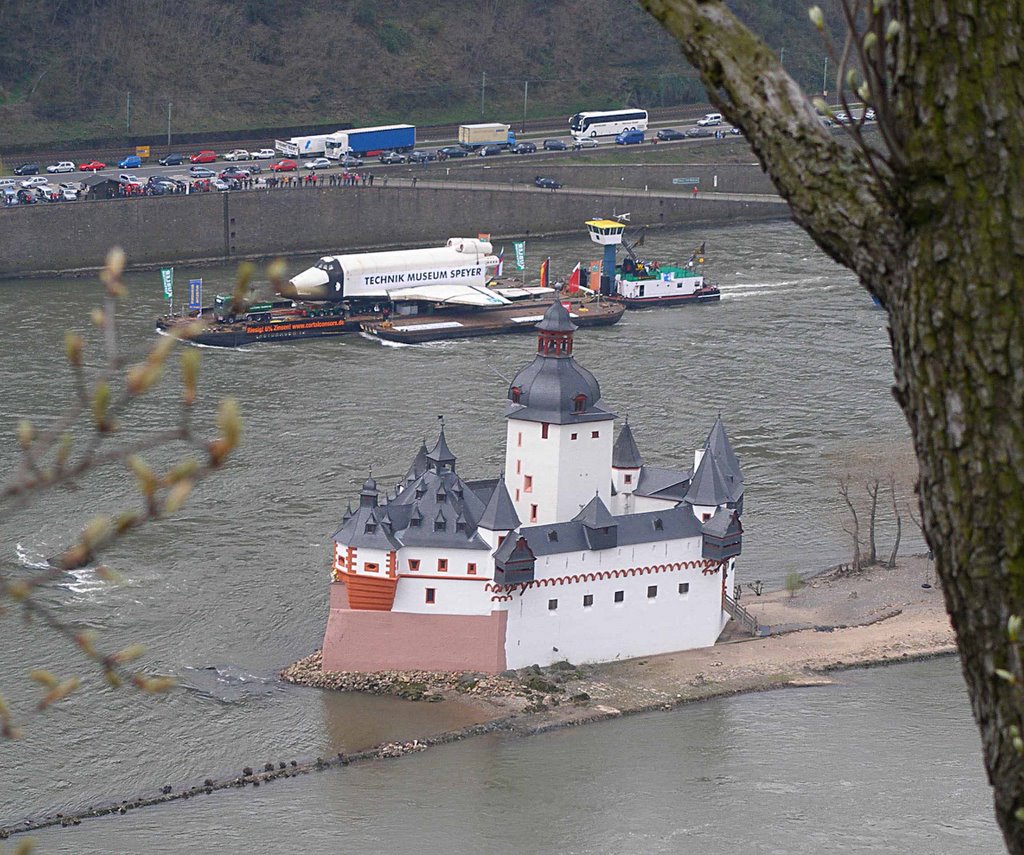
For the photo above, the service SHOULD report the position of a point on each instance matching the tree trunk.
(937, 233)
(872, 520)
(891, 564)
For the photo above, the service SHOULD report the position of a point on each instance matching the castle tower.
(558, 446)
(626, 466)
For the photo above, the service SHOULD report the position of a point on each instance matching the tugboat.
(638, 284)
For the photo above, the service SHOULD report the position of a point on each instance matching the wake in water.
(227, 684)
(83, 580)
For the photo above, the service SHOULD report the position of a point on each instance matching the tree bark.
(940, 240)
(872, 521)
(891, 564)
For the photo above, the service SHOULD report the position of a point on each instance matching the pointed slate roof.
(725, 521)
(556, 319)
(419, 464)
(718, 442)
(596, 515)
(625, 454)
(441, 454)
(499, 514)
(708, 486)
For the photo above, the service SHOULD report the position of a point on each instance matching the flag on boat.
(195, 293)
(700, 253)
(167, 275)
(640, 242)
(573, 284)
(519, 247)
(544, 271)
(500, 269)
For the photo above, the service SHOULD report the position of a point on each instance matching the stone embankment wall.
(215, 227)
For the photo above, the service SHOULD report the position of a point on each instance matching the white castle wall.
(642, 504)
(455, 591)
(607, 630)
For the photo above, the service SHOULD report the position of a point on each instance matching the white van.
(710, 119)
(7, 182)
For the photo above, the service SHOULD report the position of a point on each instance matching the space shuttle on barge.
(455, 274)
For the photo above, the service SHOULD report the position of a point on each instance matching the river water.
(234, 587)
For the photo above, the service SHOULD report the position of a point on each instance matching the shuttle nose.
(311, 283)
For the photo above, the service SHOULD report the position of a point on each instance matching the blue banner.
(195, 293)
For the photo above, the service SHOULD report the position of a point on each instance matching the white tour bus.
(606, 123)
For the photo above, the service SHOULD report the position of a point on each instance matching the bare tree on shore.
(853, 528)
(891, 563)
(872, 487)
(932, 191)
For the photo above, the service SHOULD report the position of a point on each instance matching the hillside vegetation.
(76, 69)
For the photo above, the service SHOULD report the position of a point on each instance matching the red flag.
(544, 272)
(574, 280)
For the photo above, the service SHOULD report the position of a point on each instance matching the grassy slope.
(66, 66)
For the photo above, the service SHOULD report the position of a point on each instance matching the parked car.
(237, 154)
(172, 159)
(710, 119)
(66, 195)
(219, 184)
(392, 157)
(233, 172)
(73, 186)
(547, 183)
(205, 156)
(61, 166)
(420, 156)
(254, 168)
(491, 150)
(452, 151)
(841, 118)
(264, 154)
(555, 145)
(697, 132)
(670, 134)
(26, 197)
(201, 172)
(132, 161)
(7, 182)
(318, 163)
(585, 142)
(128, 178)
(284, 166)
(35, 181)
(869, 115)
(91, 166)
(27, 169)
(350, 160)
(736, 132)
(524, 148)
(629, 138)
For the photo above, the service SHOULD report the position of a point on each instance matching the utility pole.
(824, 79)
(483, 88)
(128, 114)
(526, 92)
(168, 124)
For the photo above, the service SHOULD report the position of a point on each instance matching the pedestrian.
(694, 190)
(414, 181)
(371, 179)
(385, 181)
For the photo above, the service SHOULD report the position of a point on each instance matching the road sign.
(142, 151)
(687, 181)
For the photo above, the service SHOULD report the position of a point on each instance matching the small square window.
(517, 494)
(533, 513)
(501, 539)
(628, 479)
(544, 430)
(573, 436)
(620, 596)
(705, 517)
(471, 569)
(414, 564)
(552, 536)
(684, 588)
(371, 568)
(588, 600)
(519, 440)
(527, 483)
(658, 524)
(652, 591)
(431, 595)
(594, 434)
(552, 605)
(442, 565)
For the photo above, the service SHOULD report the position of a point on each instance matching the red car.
(92, 166)
(284, 166)
(205, 156)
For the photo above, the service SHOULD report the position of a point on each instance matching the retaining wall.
(52, 239)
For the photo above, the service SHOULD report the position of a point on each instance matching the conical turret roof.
(721, 448)
(441, 454)
(709, 486)
(499, 514)
(556, 319)
(625, 454)
(596, 515)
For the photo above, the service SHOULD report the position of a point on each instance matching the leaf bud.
(44, 678)
(892, 30)
(95, 532)
(230, 422)
(100, 403)
(145, 476)
(1003, 674)
(190, 360)
(142, 377)
(74, 344)
(176, 498)
(26, 433)
(129, 654)
(59, 692)
(98, 317)
(1013, 627)
(870, 40)
(817, 17)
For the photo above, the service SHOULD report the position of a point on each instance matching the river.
(234, 587)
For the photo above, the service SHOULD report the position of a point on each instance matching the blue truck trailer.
(362, 142)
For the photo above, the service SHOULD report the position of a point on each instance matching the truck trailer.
(487, 133)
(362, 142)
(312, 146)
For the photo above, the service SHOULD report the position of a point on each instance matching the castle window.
(552, 605)
(620, 596)
(519, 466)
(414, 564)
(553, 536)
(628, 479)
(371, 568)
(438, 525)
(519, 440)
(658, 524)
(471, 569)
(420, 492)
(370, 528)
(516, 392)
(527, 483)
(544, 430)
(431, 596)
(501, 539)
(574, 436)
(517, 494)
(415, 522)
(588, 600)
(579, 403)
(460, 526)
(594, 434)
(705, 517)
(442, 565)
(652, 591)
(533, 513)
(684, 588)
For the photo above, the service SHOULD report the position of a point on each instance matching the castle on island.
(577, 551)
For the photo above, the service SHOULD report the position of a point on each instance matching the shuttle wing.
(454, 295)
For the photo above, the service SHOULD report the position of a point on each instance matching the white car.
(63, 166)
(237, 154)
(128, 178)
(73, 186)
(318, 163)
(218, 184)
(710, 119)
(35, 181)
(7, 182)
(264, 154)
(67, 195)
